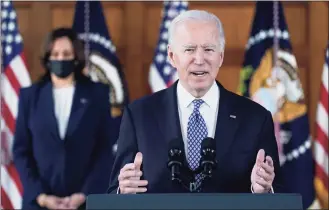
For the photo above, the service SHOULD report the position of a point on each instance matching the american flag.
(14, 75)
(162, 74)
(321, 140)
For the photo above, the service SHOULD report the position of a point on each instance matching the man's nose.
(199, 57)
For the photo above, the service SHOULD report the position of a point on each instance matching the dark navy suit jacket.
(79, 163)
(150, 123)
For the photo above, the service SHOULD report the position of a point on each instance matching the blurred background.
(134, 30)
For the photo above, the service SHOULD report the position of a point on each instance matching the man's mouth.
(199, 73)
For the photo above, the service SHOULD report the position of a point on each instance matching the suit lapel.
(167, 115)
(227, 123)
(47, 106)
(81, 100)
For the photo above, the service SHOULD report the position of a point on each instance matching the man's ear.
(221, 59)
(170, 53)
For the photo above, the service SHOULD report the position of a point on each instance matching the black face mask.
(61, 68)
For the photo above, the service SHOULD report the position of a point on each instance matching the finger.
(133, 173)
(269, 161)
(260, 156)
(129, 166)
(63, 206)
(134, 190)
(269, 169)
(263, 183)
(133, 183)
(77, 199)
(138, 161)
(262, 174)
(65, 200)
(129, 174)
(53, 204)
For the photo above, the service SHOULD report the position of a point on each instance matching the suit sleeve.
(99, 173)
(23, 152)
(127, 149)
(269, 144)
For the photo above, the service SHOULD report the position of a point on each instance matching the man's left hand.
(262, 174)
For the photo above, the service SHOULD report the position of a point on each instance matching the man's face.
(196, 54)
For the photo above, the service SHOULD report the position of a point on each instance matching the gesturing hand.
(129, 177)
(262, 174)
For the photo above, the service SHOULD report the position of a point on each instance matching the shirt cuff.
(271, 191)
(118, 190)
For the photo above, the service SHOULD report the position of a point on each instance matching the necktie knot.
(197, 103)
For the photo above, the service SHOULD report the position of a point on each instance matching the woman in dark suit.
(63, 140)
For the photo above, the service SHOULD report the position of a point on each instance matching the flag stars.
(11, 26)
(164, 35)
(252, 41)
(184, 3)
(262, 35)
(160, 58)
(8, 50)
(112, 48)
(12, 15)
(167, 23)
(270, 33)
(163, 47)
(4, 26)
(172, 13)
(295, 153)
(4, 14)
(285, 35)
(102, 40)
(5, 3)
(18, 38)
(167, 70)
(9, 38)
(302, 150)
(97, 37)
(107, 45)
(176, 3)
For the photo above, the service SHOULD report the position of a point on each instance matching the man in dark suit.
(193, 108)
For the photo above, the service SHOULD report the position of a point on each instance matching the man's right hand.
(130, 175)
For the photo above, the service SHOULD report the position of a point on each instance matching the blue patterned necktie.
(196, 132)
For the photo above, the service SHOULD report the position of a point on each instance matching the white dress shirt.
(63, 98)
(208, 110)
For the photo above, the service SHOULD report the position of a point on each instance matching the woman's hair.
(78, 49)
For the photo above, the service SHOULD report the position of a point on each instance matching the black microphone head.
(208, 156)
(176, 151)
(176, 146)
(208, 143)
(208, 146)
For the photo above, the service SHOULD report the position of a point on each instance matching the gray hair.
(200, 15)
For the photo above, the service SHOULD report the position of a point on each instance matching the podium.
(200, 201)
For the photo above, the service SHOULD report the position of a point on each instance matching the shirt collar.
(211, 98)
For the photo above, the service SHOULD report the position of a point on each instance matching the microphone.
(208, 160)
(176, 158)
